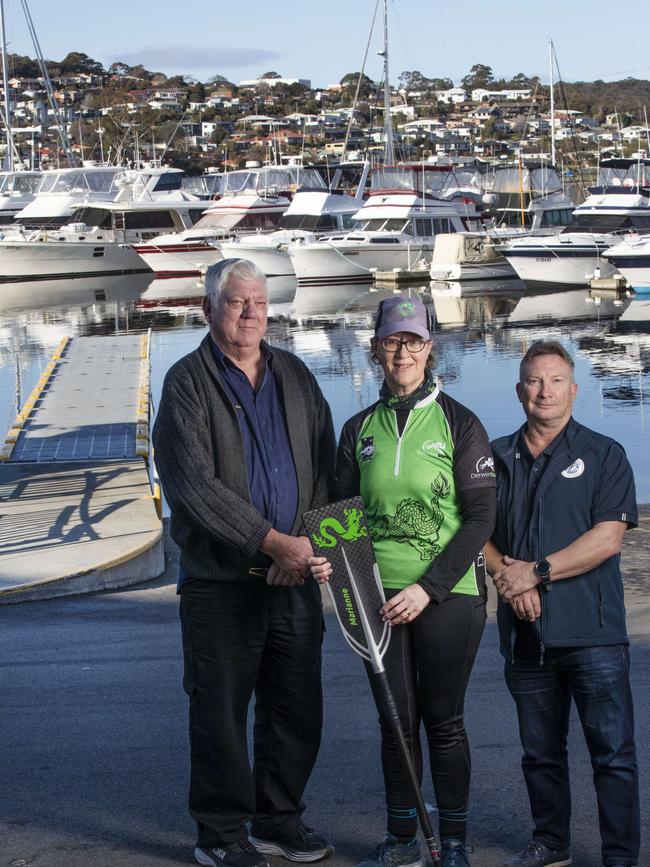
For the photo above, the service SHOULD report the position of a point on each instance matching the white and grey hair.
(219, 275)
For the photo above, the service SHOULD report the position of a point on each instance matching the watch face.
(543, 569)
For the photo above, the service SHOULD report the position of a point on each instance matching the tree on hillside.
(77, 61)
(414, 80)
(220, 79)
(23, 66)
(479, 76)
(118, 68)
(521, 81)
(270, 75)
(349, 85)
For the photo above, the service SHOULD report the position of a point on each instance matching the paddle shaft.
(391, 716)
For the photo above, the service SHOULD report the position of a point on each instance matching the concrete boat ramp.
(78, 511)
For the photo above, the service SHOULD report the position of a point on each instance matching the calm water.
(482, 331)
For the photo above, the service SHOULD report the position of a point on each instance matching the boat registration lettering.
(542, 258)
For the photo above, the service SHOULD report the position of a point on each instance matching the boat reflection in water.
(53, 294)
(481, 331)
(280, 290)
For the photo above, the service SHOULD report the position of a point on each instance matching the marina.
(515, 205)
(482, 329)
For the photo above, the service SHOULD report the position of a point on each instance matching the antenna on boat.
(389, 148)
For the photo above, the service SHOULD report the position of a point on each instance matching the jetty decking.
(77, 509)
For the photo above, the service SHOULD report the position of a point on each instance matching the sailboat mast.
(389, 149)
(552, 86)
(5, 81)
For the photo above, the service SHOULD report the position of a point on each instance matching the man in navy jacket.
(565, 497)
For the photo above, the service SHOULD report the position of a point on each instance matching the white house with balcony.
(452, 96)
(480, 94)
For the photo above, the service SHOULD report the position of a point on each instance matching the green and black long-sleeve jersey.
(428, 488)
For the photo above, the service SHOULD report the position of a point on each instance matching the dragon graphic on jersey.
(411, 524)
(353, 531)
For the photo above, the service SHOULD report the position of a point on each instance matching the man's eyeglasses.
(413, 344)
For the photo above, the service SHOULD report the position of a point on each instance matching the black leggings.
(428, 663)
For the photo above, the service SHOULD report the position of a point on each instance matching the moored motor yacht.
(620, 204)
(631, 258)
(17, 190)
(476, 255)
(315, 210)
(60, 191)
(395, 229)
(94, 241)
(253, 200)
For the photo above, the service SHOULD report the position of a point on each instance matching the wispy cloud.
(213, 58)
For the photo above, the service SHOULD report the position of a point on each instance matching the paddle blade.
(354, 584)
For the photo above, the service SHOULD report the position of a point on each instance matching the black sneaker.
(294, 842)
(455, 853)
(239, 854)
(536, 854)
(392, 853)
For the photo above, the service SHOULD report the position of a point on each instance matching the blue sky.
(322, 40)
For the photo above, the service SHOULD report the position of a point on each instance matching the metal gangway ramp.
(78, 511)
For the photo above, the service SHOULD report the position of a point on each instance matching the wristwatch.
(543, 572)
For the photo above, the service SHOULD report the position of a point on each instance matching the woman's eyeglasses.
(413, 344)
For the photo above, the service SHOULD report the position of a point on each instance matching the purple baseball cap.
(402, 314)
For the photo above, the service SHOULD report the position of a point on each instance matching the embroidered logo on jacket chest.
(367, 449)
(576, 469)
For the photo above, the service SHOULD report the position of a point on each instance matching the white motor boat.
(574, 256)
(315, 210)
(394, 230)
(17, 190)
(94, 241)
(631, 258)
(476, 255)
(61, 191)
(253, 200)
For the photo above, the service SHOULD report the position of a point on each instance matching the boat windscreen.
(409, 178)
(83, 182)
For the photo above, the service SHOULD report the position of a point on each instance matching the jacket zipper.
(398, 451)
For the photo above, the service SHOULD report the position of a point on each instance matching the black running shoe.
(239, 854)
(294, 842)
(536, 854)
(455, 853)
(392, 853)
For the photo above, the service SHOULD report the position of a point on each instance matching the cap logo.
(406, 308)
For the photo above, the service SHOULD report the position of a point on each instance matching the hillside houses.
(274, 113)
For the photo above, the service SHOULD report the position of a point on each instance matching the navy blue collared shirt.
(272, 480)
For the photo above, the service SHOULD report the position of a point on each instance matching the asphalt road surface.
(94, 753)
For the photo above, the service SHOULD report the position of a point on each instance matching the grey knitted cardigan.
(199, 455)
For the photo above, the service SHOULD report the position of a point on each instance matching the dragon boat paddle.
(340, 532)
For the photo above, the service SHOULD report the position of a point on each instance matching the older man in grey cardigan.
(244, 444)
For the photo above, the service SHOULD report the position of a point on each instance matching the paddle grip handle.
(391, 715)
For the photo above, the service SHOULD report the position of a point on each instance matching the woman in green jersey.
(423, 466)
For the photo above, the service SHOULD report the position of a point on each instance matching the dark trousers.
(597, 678)
(239, 639)
(428, 664)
